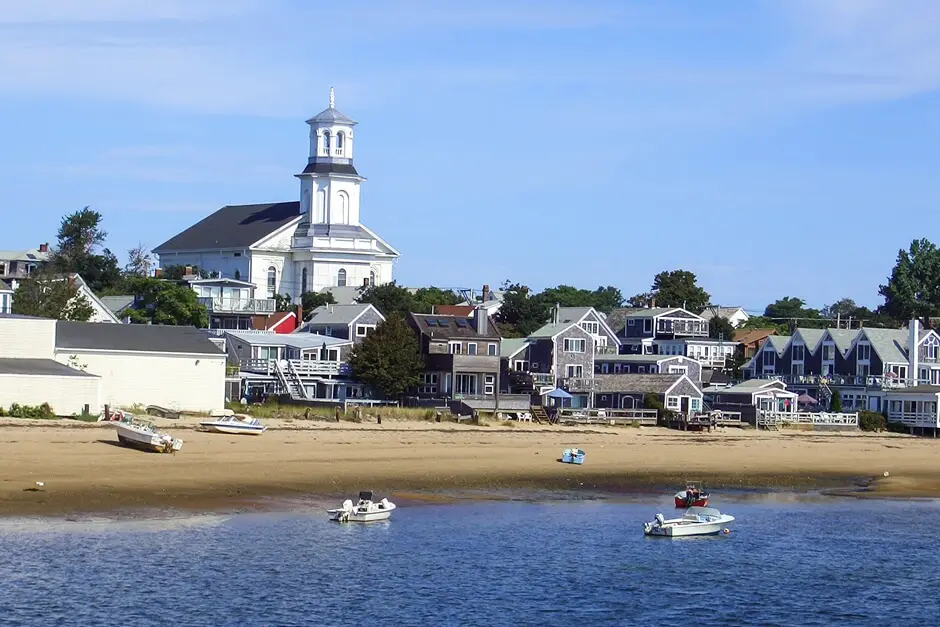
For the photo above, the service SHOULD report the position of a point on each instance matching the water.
(499, 563)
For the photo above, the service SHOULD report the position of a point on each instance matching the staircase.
(539, 414)
(290, 381)
(825, 394)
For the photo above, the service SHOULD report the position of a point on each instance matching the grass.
(274, 410)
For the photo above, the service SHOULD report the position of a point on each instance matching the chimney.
(329, 307)
(44, 248)
(481, 320)
(653, 302)
(913, 350)
(555, 313)
(188, 270)
(486, 293)
(300, 315)
(158, 273)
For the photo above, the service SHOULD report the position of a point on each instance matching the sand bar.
(84, 470)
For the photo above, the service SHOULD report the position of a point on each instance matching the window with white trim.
(672, 402)
(574, 371)
(471, 348)
(489, 384)
(863, 352)
(678, 370)
(605, 367)
(631, 322)
(491, 349)
(695, 404)
(429, 381)
(641, 369)
(799, 352)
(455, 348)
(647, 325)
(591, 327)
(363, 330)
(272, 281)
(341, 278)
(574, 345)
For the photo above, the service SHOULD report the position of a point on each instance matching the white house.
(735, 315)
(315, 242)
(6, 298)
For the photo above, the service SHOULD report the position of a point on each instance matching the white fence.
(820, 419)
(303, 367)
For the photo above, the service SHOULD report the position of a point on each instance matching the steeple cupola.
(331, 134)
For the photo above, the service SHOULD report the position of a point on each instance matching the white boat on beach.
(364, 511)
(145, 437)
(234, 425)
(696, 521)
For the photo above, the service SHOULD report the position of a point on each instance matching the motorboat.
(233, 425)
(144, 436)
(365, 510)
(694, 495)
(696, 521)
(572, 456)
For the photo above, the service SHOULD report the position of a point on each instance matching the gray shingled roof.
(134, 337)
(329, 167)
(4, 287)
(811, 337)
(842, 338)
(779, 342)
(650, 312)
(616, 319)
(511, 346)
(550, 330)
(450, 327)
(635, 383)
(40, 367)
(572, 314)
(639, 359)
(233, 226)
(330, 115)
(889, 344)
(117, 304)
(336, 314)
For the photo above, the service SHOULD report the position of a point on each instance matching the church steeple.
(329, 185)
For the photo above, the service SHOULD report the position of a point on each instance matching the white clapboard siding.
(193, 383)
(27, 338)
(66, 395)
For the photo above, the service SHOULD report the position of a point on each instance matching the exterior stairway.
(825, 395)
(290, 381)
(539, 414)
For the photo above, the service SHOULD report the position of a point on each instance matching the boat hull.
(340, 515)
(682, 531)
(150, 442)
(680, 498)
(233, 429)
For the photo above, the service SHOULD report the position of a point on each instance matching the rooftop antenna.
(332, 98)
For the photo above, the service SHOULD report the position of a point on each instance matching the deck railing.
(303, 367)
(828, 419)
(239, 305)
(607, 416)
(914, 418)
(873, 382)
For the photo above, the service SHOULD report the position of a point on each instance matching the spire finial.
(332, 99)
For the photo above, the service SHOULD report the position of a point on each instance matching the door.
(684, 404)
(627, 402)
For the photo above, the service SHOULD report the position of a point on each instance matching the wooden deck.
(641, 417)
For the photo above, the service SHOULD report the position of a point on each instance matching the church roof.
(233, 226)
(331, 115)
(327, 167)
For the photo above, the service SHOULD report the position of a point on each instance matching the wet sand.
(84, 470)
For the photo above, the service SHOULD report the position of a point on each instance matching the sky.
(773, 148)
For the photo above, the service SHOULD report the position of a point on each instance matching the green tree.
(388, 359)
(166, 302)
(139, 262)
(177, 272)
(678, 288)
(80, 236)
(604, 299)
(283, 302)
(913, 289)
(47, 296)
(836, 404)
(762, 322)
(643, 299)
(720, 327)
(311, 300)
(794, 312)
(425, 299)
(847, 312)
(389, 298)
(522, 313)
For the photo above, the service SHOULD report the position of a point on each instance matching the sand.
(84, 470)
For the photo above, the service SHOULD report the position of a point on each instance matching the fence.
(816, 419)
(645, 417)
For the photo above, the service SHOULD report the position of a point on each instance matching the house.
(461, 356)
(230, 303)
(20, 264)
(592, 321)
(489, 300)
(735, 315)
(629, 391)
(6, 298)
(862, 364)
(351, 322)
(751, 396)
(915, 407)
(306, 366)
(669, 331)
(751, 339)
(100, 311)
(315, 243)
(648, 364)
(119, 305)
(562, 350)
(76, 366)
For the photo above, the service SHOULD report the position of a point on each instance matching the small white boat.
(145, 437)
(234, 424)
(364, 511)
(696, 521)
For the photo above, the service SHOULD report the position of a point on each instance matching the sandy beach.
(84, 470)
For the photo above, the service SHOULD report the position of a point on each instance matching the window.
(332, 354)
(321, 206)
(363, 330)
(695, 404)
(617, 368)
(863, 352)
(799, 352)
(303, 281)
(491, 349)
(471, 348)
(272, 281)
(574, 345)
(672, 402)
(631, 322)
(341, 278)
(678, 370)
(641, 369)
(372, 277)
(429, 381)
(519, 365)
(328, 332)
(797, 370)
(466, 384)
(604, 368)
(342, 210)
(574, 371)
(340, 140)
(769, 359)
(647, 325)
(489, 384)
(326, 142)
(3, 269)
(266, 352)
(590, 327)
(455, 348)
(829, 352)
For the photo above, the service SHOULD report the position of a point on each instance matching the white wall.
(223, 261)
(27, 338)
(169, 380)
(66, 395)
(100, 313)
(261, 261)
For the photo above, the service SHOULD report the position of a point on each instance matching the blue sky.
(773, 148)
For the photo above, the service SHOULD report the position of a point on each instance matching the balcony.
(303, 367)
(247, 306)
(710, 361)
(580, 384)
(461, 363)
(530, 380)
(870, 382)
(681, 327)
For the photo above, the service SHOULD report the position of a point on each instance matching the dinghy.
(364, 511)
(145, 437)
(696, 521)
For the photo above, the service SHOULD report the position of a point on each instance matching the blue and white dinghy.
(233, 424)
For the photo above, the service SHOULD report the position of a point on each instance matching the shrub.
(836, 405)
(43, 411)
(871, 421)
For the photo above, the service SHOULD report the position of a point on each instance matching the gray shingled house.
(351, 322)
(677, 392)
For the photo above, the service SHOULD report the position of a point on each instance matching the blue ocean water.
(486, 563)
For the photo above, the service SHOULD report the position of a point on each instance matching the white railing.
(239, 305)
(608, 416)
(914, 418)
(875, 382)
(303, 367)
(710, 361)
(828, 419)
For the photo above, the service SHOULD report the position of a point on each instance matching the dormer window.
(326, 143)
(340, 140)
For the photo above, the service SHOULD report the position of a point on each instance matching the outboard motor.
(660, 519)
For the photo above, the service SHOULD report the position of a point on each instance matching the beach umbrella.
(559, 393)
(806, 399)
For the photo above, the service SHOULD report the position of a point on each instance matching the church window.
(321, 206)
(272, 281)
(303, 281)
(342, 214)
(341, 278)
(372, 278)
(326, 143)
(340, 140)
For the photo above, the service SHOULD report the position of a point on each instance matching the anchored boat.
(696, 521)
(145, 437)
(364, 511)
(694, 495)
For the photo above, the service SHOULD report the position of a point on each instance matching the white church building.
(308, 245)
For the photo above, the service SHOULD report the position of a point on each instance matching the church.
(314, 243)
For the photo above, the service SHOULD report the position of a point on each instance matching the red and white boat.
(694, 495)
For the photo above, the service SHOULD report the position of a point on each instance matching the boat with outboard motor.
(694, 495)
(365, 510)
(144, 436)
(696, 521)
(233, 424)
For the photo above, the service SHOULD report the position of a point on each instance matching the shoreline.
(84, 471)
